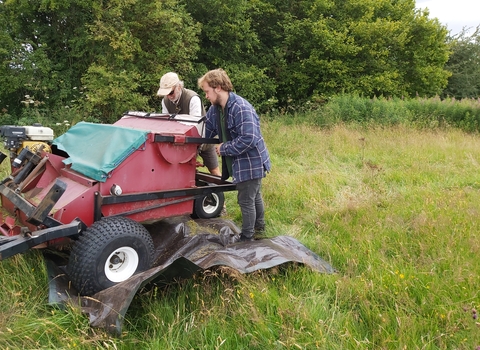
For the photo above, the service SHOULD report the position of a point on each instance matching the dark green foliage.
(464, 63)
(418, 112)
(103, 58)
(371, 47)
(46, 55)
(464, 114)
(320, 48)
(254, 84)
(229, 39)
(377, 111)
(138, 41)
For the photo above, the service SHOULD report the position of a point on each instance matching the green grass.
(394, 209)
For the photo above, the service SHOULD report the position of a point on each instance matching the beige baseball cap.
(167, 82)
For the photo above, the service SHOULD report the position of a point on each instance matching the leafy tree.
(104, 57)
(464, 63)
(424, 55)
(138, 41)
(369, 47)
(319, 48)
(227, 34)
(43, 53)
(228, 39)
(107, 57)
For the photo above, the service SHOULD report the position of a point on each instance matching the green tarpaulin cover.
(96, 149)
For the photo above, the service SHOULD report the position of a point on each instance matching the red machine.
(95, 186)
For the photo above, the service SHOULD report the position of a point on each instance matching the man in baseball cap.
(167, 83)
(179, 100)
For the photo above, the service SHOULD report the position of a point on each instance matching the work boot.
(245, 239)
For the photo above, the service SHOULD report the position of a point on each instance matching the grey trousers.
(249, 197)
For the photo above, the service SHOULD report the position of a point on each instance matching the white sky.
(455, 14)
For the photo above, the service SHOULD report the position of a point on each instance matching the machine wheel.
(208, 206)
(108, 252)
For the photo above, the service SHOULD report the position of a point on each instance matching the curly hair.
(216, 77)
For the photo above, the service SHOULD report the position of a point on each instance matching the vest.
(183, 104)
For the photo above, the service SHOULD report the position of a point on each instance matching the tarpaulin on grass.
(182, 248)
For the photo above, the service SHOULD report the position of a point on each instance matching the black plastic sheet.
(182, 247)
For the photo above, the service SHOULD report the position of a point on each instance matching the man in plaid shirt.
(244, 154)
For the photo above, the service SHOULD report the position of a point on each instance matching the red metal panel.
(81, 179)
(147, 170)
(184, 208)
(77, 201)
(152, 168)
(52, 171)
(19, 215)
(177, 153)
(8, 227)
(155, 167)
(158, 126)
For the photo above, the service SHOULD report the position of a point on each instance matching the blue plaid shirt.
(246, 146)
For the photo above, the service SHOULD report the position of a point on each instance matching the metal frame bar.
(9, 246)
(36, 215)
(187, 193)
(187, 139)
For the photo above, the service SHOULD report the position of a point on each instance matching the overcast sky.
(455, 14)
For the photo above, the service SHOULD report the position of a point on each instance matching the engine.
(35, 138)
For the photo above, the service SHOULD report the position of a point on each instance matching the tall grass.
(419, 112)
(393, 208)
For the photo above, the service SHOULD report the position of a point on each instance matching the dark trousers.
(249, 197)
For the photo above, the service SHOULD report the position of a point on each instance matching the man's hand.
(217, 148)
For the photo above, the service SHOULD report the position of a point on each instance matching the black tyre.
(208, 206)
(108, 252)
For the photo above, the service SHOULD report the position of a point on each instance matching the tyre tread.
(81, 267)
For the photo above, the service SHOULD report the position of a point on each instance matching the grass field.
(395, 210)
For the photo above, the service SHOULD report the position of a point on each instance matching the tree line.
(102, 58)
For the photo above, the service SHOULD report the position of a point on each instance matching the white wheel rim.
(121, 264)
(209, 208)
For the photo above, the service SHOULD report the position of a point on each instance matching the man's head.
(216, 78)
(168, 85)
(216, 84)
